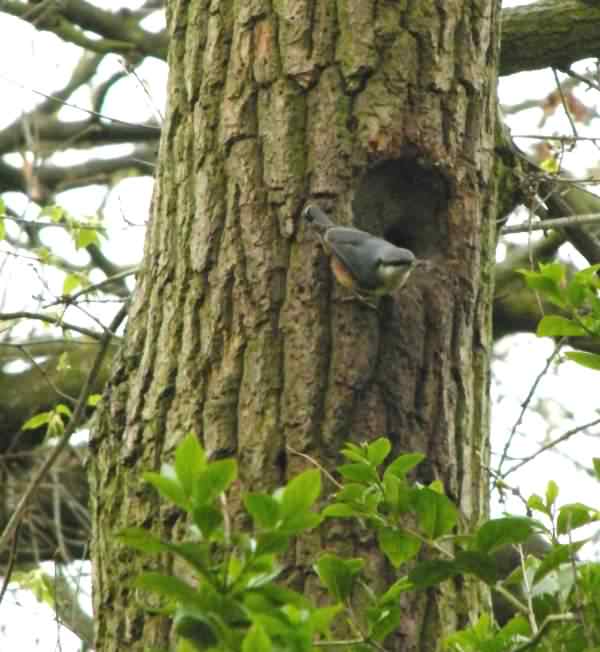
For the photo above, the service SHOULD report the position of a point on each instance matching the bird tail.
(317, 218)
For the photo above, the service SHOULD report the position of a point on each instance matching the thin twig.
(95, 114)
(72, 425)
(42, 371)
(314, 462)
(566, 139)
(71, 298)
(527, 590)
(340, 643)
(563, 101)
(581, 78)
(510, 597)
(534, 640)
(550, 445)
(11, 563)
(526, 402)
(59, 225)
(588, 218)
(49, 319)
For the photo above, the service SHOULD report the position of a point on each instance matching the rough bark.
(385, 115)
(549, 33)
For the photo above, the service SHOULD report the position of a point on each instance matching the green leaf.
(436, 513)
(301, 493)
(272, 543)
(257, 640)
(557, 326)
(2, 227)
(142, 540)
(207, 518)
(94, 399)
(56, 427)
(559, 554)
(63, 409)
(437, 486)
(263, 509)
(399, 586)
(483, 566)
(84, 236)
(555, 271)
(42, 585)
(43, 253)
(320, 619)
(535, 502)
(263, 573)
(195, 553)
(585, 359)
(210, 483)
(169, 488)
(71, 282)
(171, 587)
(403, 464)
(359, 472)
(547, 286)
(551, 494)
(577, 292)
(275, 594)
(499, 532)
(55, 213)
(587, 276)
(2, 207)
(341, 510)
(37, 420)
(378, 451)
(435, 571)
(596, 463)
(573, 516)
(352, 492)
(300, 522)
(384, 621)
(338, 574)
(196, 628)
(398, 546)
(64, 362)
(353, 452)
(190, 460)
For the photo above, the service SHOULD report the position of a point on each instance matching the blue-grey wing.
(358, 251)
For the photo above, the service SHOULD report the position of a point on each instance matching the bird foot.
(359, 297)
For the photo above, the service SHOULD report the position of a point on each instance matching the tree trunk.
(384, 116)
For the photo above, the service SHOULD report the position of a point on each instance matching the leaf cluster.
(234, 597)
(577, 299)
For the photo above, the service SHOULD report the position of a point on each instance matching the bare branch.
(550, 445)
(524, 407)
(53, 178)
(544, 225)
(69, 19)
(54, 135)
(49, 319)
(72, 425)
(548, 33)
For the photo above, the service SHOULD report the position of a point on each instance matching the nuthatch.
(367, 265)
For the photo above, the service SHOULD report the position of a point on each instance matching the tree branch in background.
(548, 33)
(522, 181)
(69, 19)
(51, 179)
(574, 220)
(53, 135)
(50, 319)
(74, 423)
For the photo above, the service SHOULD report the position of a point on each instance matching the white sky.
(44, 64)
